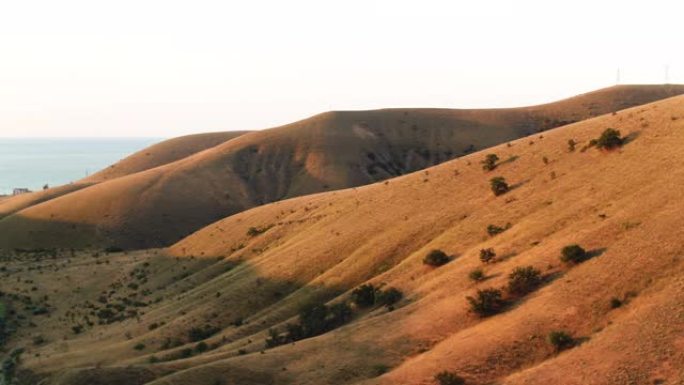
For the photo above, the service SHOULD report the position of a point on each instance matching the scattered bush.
(615, 303)
(493, 230)
(364, 296)
(573, 254)
(610, 139)
(489, 163)
(388, 297)
(477, 275)
(487, 302)
(449, 378)
(77, 329)
(197, 334)
(523, 280)
(561, 340)
(139, 346)
(499, 185)
(201, 347)
(487, 255)
(571, 145)
(436, 258)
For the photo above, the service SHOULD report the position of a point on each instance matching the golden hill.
(229, 283)
(330, 151)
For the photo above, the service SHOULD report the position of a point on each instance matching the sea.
(34, 162)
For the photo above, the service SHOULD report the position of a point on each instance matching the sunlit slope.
(162, 153)
(623, 206)
(326, 152)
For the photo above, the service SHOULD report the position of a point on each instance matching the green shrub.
(561, 340)
(487, 302)
(139, 346)
(573, 254)
(487, 255)
(499, 185)
(436, 258)
(449, 378)
(610, 139)
(312, 317)
(338, 315)
(364, 296)
(489, 163)
(523, 280)
(477, 275)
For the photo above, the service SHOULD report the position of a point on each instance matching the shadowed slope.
(623, 205)
(326, 152)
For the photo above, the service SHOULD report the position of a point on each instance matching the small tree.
(486, 302)
(561, 340)
(449, 378)
(436, 258)
(489, 163)
(610, 139)
(487, 255)
(499, 185)
(573, 254)
(364, 295)
(523, 280)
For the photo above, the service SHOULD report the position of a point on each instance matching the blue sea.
(31, 163)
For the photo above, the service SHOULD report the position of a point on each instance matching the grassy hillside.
(229, 283)
(330, 151)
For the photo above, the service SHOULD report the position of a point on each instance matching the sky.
(156, 68)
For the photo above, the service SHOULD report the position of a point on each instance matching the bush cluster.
(574, 254)
(449, 378)
(487, 302)
(489, 163)
(487, 255)
(523, 280)
(610, 139)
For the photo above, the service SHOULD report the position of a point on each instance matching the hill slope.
(233, 283)
(330, 151)
(156, 155)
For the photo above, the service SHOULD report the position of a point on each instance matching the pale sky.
(166, 68)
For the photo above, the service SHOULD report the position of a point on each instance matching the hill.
(330, 151)
(156, 155)
(228, 284)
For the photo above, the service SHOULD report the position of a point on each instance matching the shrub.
(197, 334)
(388, 297)
(615, 303)
(523, 280)
(493, 230)
(449, 378)
(499, 185)
(77, 329)
(487, 255)
(312, 317)
(364, 296)
(477, 275)
(339, 314)
(573, 254)
(436, 258)
(610, 139)
(201, 347)
(561, 340)
(489, 163)
(139, 346)
(486, 302)
(571, 145)
(113, 249)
